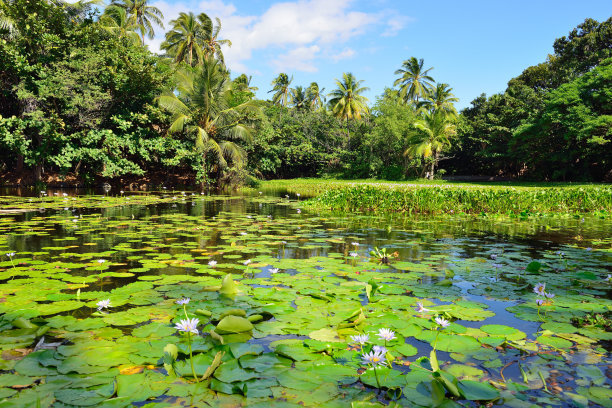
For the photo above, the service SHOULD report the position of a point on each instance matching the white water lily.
(103, 304)
(188, 326)
(212, 263)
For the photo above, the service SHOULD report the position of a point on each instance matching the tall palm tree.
(298, 98)
(414, 80)
(434, 132)
(315, 96)
(282, 91)
(115, 20)
(441, 98)
(347, 102)
(212, 45)
(141, 13)
(186, 40)
(201, 108)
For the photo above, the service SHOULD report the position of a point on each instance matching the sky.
(474, 46)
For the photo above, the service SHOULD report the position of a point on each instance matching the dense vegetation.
(81, 96)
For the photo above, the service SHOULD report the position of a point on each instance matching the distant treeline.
(81, 96)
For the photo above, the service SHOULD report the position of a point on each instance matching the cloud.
(301, 32)
(299, 59)
(344, 54)
(396, 24)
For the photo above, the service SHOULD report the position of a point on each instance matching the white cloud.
(300, 59)
(396, 24)
(300, 31)
(344, 54)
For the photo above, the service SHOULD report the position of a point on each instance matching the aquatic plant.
(189, 326)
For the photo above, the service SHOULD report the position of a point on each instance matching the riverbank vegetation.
(83, 99)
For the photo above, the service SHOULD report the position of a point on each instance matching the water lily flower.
(549, 295)
(373, 358)
(298, 194)
(354, 254)
(360, 338)
(260, 193)
(441, 321)
(274, 270)
(496, 265)
(299, 211)
(355, 243)
(609, 278)
(183, 301)
(247, 262)
(212, 263)
(103, 304)
(589, 249)
(10, 254)
(101, 261)
(539, 288)
(188, 326)
(286, 195)
(244, 233)
(539, 302)
(380, 349)
(420, 308)
(386, 334)
(493, 256)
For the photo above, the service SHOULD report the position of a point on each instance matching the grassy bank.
(432, 197)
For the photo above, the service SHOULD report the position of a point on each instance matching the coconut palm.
(142, 14)
(186, 40)
(282, 91)
(201, 109)
(414, 81)
(7, 24)
(434, 132)
(115, 20)
(441, 98)
(212, 45)
(298, 98)
(347, 102)
(315, 96)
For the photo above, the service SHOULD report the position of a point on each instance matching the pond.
(296, 308)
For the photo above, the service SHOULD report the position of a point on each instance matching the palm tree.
(186, 40)
(282, 91)
(298, 98)
(7, 23)
(413, 81)
(212, 45)
(315, 96)
(142, 14)
(347, 102)
(442, 99)
(201, 108)
(434, 132)
(115, 20)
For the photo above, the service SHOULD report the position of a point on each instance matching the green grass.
(438, 196)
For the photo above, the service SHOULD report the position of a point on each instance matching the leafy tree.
(201, 109)
(282, 91)
(211, 41)
(143, 15)
(298, 98)
(441, 98)
(347, 102)
(414, 81)
(115, 20)
(314, 96)
(186, 40)
(434, 132)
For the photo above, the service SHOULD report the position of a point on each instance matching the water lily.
(609, 278)
(103, 304)
(386, 334)
(354, 254)
(549, 295)
(188, 325)
(355, 243)
(182, 301)
(10, 254)
(101, 261)
(247, 262)
(442, 321)
(420, 308)
(374, 358)
(360, 339)
(539, 288)
(212, 263)
(273, 270)
(299, 211)
(298, 194)
(539, 302)
(380, 349)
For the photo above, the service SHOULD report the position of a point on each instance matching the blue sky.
(475, 46)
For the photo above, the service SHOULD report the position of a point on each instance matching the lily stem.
(191, 357)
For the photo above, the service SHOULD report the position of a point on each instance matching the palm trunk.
(348, 134)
